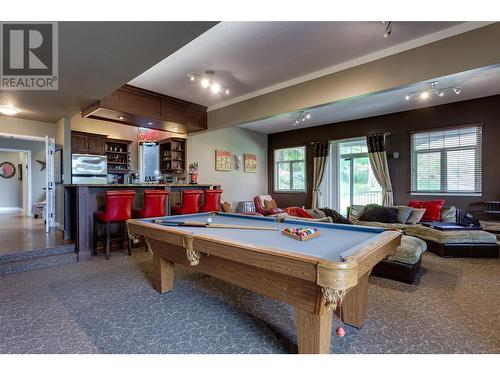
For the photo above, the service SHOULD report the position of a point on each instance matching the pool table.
(315, 276)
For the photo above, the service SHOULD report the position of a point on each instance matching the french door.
(49, 183)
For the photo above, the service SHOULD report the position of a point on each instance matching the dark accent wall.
(484, 110)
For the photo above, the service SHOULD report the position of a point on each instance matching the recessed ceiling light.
(121, 118)
(9, 111)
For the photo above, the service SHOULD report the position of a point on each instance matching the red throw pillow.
(432, 209)
(300, 212)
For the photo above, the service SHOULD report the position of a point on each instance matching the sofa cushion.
(448, 214)
(263, 198)
(374, 212)
(432, 208)
(356, 211)
(299, 212)
(388, 226)
(450, 236)
(409, 251)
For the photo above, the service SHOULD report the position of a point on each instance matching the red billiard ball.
(340, 332)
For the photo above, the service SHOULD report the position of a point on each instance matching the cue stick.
(203, 225)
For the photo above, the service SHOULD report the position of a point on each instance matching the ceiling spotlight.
(424, 95)
(191, 76)
(301, 116)
(205, 82)
(227, 91)
(121, 118)
(388, 28)
(440, 93)
(457, 90)
(408, 97)
(215, 87)
(150, 123)
(9, 111)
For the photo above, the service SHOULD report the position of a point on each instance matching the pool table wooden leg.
(354, 304)
(314, 331)
(163, 274)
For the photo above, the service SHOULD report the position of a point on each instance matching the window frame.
(478, 167)
(290, 162)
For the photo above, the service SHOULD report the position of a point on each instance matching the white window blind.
(447, 161)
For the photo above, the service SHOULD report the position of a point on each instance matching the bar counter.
(82, 200)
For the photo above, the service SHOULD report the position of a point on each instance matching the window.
(447, 161)
(290, 169)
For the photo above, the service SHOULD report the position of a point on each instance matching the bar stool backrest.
(155, 202)
(119, 204)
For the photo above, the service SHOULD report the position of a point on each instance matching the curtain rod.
(314, 142)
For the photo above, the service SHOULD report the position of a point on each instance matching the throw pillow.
(298, 212)
(381, 214)
(270, 204)
(449, 214)
(335, 216)
(433, 208)
(226, 207)
(356, 212)
(416, 215)
(404, 213)
(316, 213)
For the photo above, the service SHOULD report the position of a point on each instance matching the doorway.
(29, 224)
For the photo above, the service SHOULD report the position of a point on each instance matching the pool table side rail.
(337, 275)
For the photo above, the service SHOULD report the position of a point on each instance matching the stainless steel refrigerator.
(89, 169)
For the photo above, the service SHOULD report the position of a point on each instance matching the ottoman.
(463, 243)
(405, 263)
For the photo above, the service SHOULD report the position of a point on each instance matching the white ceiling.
(253, 56)
(474, 84)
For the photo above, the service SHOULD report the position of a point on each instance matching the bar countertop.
(145, 184)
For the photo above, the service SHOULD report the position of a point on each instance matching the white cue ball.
(209, 220)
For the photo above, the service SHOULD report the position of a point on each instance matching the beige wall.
(13, 125)
(237, 185)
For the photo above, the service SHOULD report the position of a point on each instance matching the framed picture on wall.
(222, 160)
(58, 165)
(250, 163)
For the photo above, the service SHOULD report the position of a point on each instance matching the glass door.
(357, 183)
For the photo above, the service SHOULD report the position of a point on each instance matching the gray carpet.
(104, 306)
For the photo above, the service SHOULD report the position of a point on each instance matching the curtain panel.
(320, 154)
(378, 161)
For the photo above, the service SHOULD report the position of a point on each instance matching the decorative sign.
(250, 163)
(238, 160)
(148, 135)
(222, 160)
(7, 169)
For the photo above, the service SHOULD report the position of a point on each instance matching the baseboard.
(10, 209)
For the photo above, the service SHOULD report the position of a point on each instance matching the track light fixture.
(207, 80)
(301, 116)
(388, 28)
(433, 90)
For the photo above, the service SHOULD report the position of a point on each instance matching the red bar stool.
(212, 200)
(191, 200)
(155, 203)
(118, 210)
